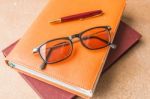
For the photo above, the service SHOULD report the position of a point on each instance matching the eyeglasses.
(59, 49)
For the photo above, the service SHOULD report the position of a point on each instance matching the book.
(62, 74)
(124, 34)
(44, 90)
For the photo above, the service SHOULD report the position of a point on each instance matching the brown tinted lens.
(96, 38)
(55, 51)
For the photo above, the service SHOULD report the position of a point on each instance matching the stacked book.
(78, 75)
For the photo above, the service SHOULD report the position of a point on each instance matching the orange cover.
(84, 66)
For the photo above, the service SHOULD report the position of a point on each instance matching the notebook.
(125, 38)
(62, 74)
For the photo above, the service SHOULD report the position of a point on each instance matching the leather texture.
(86, 63)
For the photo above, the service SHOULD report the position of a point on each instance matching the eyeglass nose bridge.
(74, 36)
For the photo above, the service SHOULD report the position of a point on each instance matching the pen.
(78, 16)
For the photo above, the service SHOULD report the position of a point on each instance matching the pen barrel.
(81, 15)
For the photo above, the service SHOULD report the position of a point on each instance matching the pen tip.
(55, 21)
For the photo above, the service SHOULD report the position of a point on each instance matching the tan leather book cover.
(80, 71)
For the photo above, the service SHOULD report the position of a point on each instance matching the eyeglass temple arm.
(43, 65)
(109, 43)
(35, 50)
(106, 42)
(64, 43)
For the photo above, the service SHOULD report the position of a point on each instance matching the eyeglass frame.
(70, 39)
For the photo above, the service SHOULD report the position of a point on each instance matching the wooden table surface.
(129, 78)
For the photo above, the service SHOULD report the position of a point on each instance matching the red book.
(126, 37)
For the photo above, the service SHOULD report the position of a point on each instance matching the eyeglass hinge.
(35, 50)
(113, 46)
(12, 65)
(109, 27)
